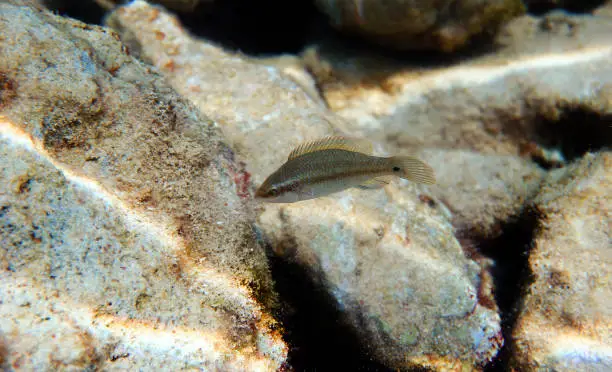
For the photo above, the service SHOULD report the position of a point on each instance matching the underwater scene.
(307, 185)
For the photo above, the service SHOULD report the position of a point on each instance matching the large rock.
(388, 259)
(417, 24)
(565, 318)
(250, 102)
(186, 6)
(125, 226)
(482, 191)
(545, 96)
(503, 102)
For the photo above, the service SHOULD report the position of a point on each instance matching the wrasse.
(334, 164)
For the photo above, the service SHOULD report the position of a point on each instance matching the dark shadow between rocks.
(540, 7)
(317, 337)
(257, 28)
(511, 275)
(576, 132)
(85, 11)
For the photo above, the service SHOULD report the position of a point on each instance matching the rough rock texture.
(375, 252)
(126, 209)
(176, 5)
(546, 95)
(545, 67)
(373, 82)
(554, 32)
(388, 259)
(421, 24)
(482, 191)
(605, 10)
(251, 102)
(88, 284)
(510, 109)
(565, 319)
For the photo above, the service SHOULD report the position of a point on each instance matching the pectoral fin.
(374, 183)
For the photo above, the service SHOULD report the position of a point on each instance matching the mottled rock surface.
(87, 283)
(250, 102)
(416, 24)
(389, 260)
(126, 222)
(511, 109)
(176, 5)
(565, 318)
(545, 96)
(482, 191)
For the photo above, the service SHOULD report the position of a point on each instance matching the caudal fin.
(413, 169)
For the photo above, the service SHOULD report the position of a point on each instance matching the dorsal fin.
(333, 142)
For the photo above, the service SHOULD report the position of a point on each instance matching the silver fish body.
(321, 173)
(334, 164)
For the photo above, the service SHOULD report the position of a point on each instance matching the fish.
(336, 163)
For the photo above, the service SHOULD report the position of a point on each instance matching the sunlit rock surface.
(389, 260)
(126, 237)
(482, 191)
(565, 318)
(545, 96)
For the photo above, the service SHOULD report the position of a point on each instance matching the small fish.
(334, 164)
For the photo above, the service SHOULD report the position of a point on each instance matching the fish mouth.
(259, 194)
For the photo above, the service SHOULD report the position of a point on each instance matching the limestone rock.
(417, 24)
(565, 319)
(508, 109)
(250, 102)
(86, 283)
(175, 5)
(545, 96)
(604, 10)
(126, 222)
(374, 252)
(482, 191)
(388, 259)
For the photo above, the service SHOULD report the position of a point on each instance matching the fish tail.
(413, 169)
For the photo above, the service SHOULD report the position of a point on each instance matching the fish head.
(273, 190)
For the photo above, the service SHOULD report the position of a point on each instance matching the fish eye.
(273, 191)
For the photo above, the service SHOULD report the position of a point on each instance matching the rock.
(36, 4)
(389, 260)
(526, 100)
(175, 5)
(605, 10)
(482, 191)
(409, 25)
(125, 228)
(373, 253)
(87, 283)
(565, 318)
(555, 32)
(250, 102)
(371, 83)
(510, 104)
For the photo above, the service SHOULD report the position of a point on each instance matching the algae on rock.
(565, 317)
(390, 261)
(131, 197)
